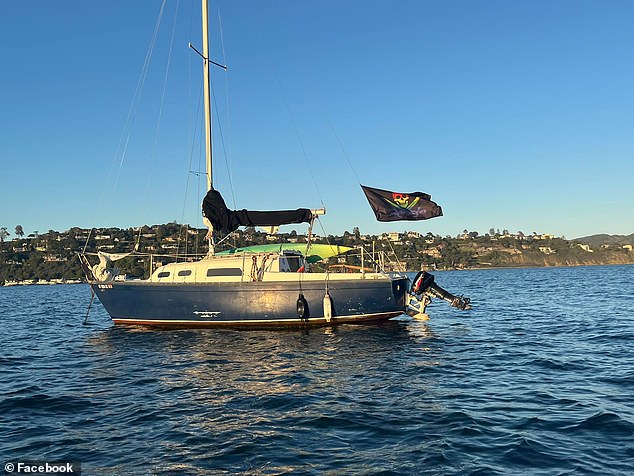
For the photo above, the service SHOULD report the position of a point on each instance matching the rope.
(190, 172)
(323, 230)
(183, 231)
(126, 132)
(299, 138)
(228, 158)
(92, 298)
(193, 131)
(87, 239)
(344, 152)
(254, 267)
(129, 122)
(160, 114)
(225, 238)
(137, 244)
(222, 141)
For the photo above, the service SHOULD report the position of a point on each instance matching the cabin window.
(185, 272)
(163, 274)
(224, 272)
(291, 263)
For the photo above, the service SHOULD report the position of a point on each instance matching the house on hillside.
(394, 236)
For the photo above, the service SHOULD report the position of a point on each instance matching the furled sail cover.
(394, 206)
(216, 211)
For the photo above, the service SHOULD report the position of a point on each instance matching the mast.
(206, 81)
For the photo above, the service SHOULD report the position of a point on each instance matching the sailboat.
(266, 286)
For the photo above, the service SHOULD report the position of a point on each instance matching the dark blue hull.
(251, 304)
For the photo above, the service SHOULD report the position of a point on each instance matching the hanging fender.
(327, 307)
(302, 307)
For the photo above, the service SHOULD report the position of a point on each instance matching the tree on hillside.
(3, 234)
(19, 231)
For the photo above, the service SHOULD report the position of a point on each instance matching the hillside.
(602, 239)
(52, 256)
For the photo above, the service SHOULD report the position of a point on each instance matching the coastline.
(50, 258)
(42, 282)
(484, 268)
(52, 282)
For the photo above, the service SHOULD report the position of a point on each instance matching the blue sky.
(515, 115)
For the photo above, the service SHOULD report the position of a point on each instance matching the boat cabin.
(231, 268)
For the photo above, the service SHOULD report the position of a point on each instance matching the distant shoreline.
(50, 258)
(40, 282)
(477, 268)
(481, 268)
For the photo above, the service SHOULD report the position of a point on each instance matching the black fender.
(302, 307)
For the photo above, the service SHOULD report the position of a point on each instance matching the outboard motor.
(423, 289)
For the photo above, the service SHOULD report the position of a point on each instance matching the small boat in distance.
(269, 286)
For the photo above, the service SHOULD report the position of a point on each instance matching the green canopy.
(314, 253)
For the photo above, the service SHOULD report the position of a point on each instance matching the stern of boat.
(421, 292)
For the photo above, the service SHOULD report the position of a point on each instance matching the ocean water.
(537, 379)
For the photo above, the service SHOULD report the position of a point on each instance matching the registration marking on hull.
(207, 314)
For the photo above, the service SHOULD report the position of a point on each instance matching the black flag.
(394, 206)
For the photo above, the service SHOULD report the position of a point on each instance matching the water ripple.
(537, 379)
